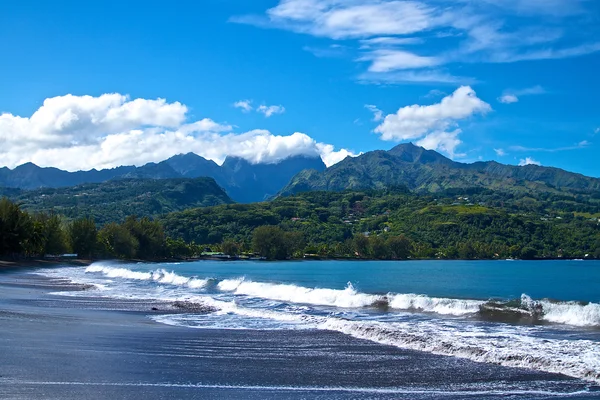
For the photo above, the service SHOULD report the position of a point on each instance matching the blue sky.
(511, 80)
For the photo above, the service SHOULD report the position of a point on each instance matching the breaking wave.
(524, 309)
(159, 276)
(347, 298)
(509, 346)
(579, 359)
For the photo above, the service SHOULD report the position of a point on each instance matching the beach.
(61, 347)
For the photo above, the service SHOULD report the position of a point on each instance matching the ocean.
(411, 329)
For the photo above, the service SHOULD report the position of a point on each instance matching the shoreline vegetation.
(391, 224)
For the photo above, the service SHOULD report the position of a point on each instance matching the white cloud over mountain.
(436, 125)
(84, 132)
(528, 161)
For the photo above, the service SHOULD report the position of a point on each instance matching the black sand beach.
(54, 347)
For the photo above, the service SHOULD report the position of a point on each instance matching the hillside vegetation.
(427, 171)
(114, 200)
(473, 224)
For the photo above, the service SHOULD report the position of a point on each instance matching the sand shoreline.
(79, 347)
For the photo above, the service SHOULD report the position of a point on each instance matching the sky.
(99, 84)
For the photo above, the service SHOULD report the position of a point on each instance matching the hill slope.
(112, 201)
(428, 171)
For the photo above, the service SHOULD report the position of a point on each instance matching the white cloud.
(414, 77)
(508, 99)
(576, 146)
(269, 111)
(377, 113)
(244, 105)
(597, 130)
(461, 31)
(528, 161)
(385, 60)
(330, 156)
(342, 19)
(388, 41)
(84, 132)
(500, 152)
(446, 142)
(416, 121)
(512, 96)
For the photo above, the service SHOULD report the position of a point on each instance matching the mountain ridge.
(245, 184)
(424, 170)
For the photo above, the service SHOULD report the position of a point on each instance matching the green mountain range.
(243, 181)
(114, 200)
(423, 170)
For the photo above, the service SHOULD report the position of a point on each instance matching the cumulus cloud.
(446, 142)
(84, 132)
(528, 161)
(244, 105)
(268, 111)
(435, 124)
(500, 152)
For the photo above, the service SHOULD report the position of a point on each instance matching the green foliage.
(275, 244)
(114, 200)
(16, 228)
(149, 235)
(230, 248)
(427, 171)
(83, 235)
(477, 224)
(117, 241)
(55, 238)
(399, 247)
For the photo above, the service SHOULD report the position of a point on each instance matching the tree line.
(367, 225)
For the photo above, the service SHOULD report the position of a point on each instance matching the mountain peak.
(411, 153)
(28, 166)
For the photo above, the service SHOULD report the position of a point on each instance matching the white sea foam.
(229, 285)
(434, 304)
(347, 298)
(160, 276)
(514, 348)
(572, 313)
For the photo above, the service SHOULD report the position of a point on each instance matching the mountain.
(30, 176)
(113, 200)
(243, 181)
(248, 183)
(424, 170)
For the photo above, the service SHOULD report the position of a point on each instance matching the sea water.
(542, 315)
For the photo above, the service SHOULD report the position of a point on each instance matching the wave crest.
(160, 276)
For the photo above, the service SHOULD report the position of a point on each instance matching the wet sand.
(55, 347)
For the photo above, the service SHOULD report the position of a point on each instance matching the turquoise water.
(559, 280)
(542, 315)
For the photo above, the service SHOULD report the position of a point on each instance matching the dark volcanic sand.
(81, 348)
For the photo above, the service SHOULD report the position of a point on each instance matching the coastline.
(110, 348)
(42, 262)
